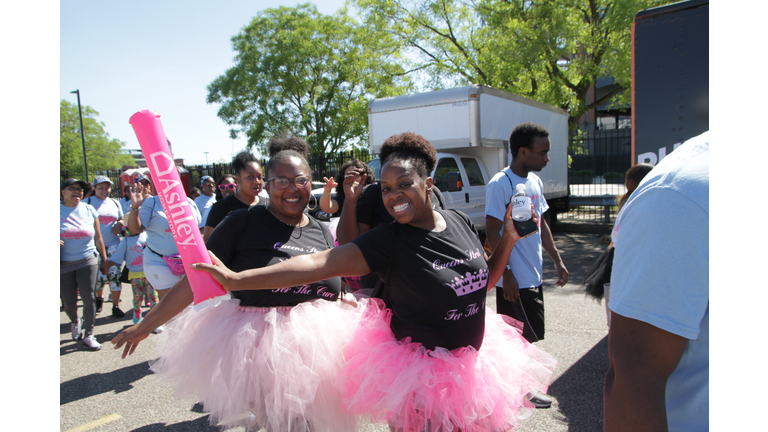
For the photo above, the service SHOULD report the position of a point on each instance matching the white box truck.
(470, 128)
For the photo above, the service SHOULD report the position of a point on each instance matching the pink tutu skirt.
(271, 368)
(413, 389)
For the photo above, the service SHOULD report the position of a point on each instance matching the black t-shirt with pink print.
(254, 238)
(437, 283)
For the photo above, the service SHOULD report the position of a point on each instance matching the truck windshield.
(444, 166)
(474, 175)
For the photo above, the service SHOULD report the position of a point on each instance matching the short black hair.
(524, 134)
(221, 179)
(412, 147)
(278, 144)
(242, 159)
(283, 155)
(357, 163)
(217, 191)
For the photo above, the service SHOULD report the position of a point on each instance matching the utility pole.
(82, 134)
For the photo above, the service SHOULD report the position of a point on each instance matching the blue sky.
(158, 55)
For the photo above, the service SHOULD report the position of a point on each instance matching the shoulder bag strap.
(511, 184)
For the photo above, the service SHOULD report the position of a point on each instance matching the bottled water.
(521, 204)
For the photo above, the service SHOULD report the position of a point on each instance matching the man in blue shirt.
(658, 342)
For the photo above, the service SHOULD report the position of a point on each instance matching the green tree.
(303, 73)
(548, 50)
(101, 152)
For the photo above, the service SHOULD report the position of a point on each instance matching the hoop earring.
(314, 206)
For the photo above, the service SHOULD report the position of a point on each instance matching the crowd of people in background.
(403, 341)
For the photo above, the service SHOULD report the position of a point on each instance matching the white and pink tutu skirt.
(414, 389)
(271, 368)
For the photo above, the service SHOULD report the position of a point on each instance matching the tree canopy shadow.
(579, 391)
(90, 385)
(198, 424)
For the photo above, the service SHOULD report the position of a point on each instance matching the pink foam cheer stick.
(149, 131)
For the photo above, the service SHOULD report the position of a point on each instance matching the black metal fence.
(113, 174)
(324, 166)
(599, 157)
(321, 166)
(598, 161)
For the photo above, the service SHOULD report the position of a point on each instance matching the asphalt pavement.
(100, 391)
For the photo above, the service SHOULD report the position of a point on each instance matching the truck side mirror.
(454, 182)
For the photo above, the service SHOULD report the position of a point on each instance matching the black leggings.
(83, 279)
(529, 310)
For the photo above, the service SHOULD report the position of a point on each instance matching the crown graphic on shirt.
(470, 282)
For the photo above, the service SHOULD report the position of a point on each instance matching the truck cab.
(465, 192)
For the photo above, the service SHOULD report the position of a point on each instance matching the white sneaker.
(539, 400)
(76, 328)
(158, 330)
(91, 344)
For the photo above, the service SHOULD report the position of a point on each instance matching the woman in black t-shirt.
(249, 183)
(263, 358)
(429, 357)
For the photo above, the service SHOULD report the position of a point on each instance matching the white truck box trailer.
(474, 121)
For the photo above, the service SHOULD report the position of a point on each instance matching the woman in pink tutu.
(263, 359)
(428, 357)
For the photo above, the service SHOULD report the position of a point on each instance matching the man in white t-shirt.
(658, 342)
(519, 292)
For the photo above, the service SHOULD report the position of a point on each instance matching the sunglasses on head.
(227, 186)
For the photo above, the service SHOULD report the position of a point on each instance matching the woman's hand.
(224, 276)
(131, 338)
(509, 223)
(330, 183)
(354, 183)
(138, 195)
(327, 204)
(118, 227)
(104, 267)
(61, 243)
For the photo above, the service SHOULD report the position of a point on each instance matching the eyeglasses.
(227, 186)
(73, 189)
(281, 182)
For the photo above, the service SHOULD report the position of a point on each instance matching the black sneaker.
(117, 313)
(99, 304)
